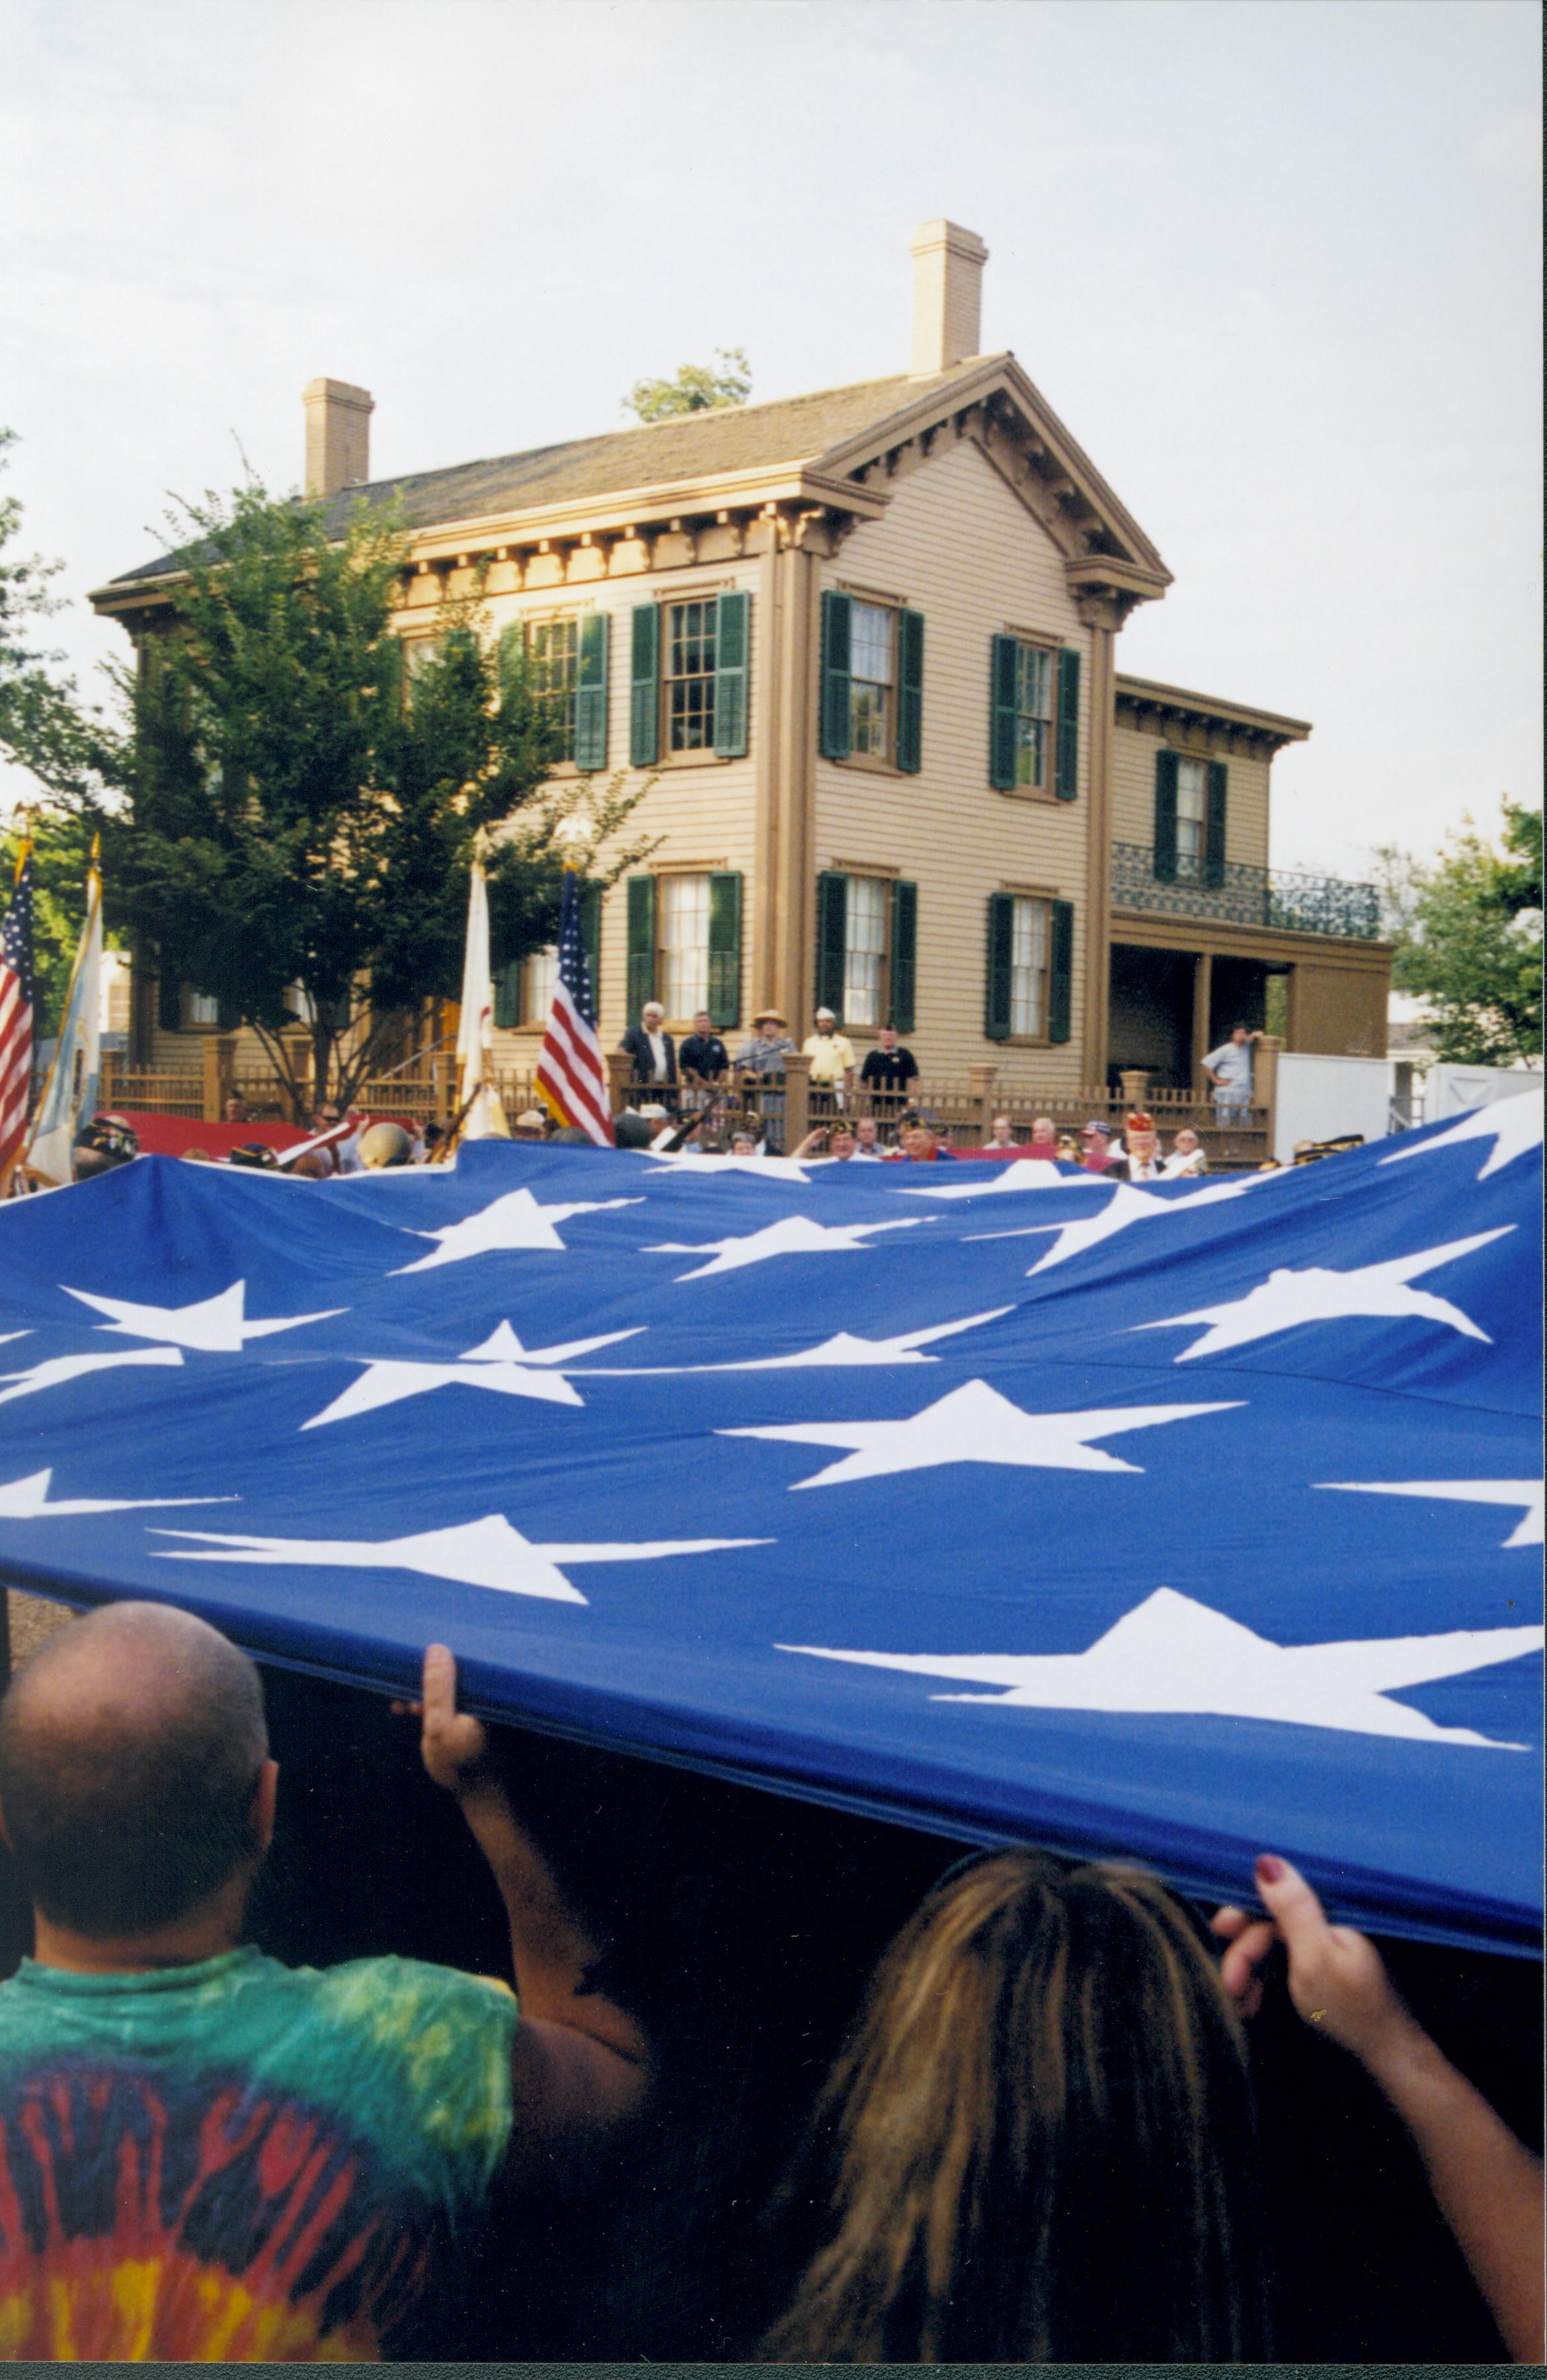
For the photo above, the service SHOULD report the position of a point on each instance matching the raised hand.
(453, 1744)
(1338, 1979)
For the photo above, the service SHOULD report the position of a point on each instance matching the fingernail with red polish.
(1270, 1870)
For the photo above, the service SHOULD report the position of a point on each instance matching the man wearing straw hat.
(770, 1045)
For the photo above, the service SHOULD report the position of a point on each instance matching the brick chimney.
(337, 436)
(947, 295)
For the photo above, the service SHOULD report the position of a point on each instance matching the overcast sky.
(1275, 262)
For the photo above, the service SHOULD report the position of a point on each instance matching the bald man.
(205, 2156)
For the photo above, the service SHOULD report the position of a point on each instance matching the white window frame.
(1030, 966)
(873, 700)
(683, 901)
(867, 951)
(1192, 822)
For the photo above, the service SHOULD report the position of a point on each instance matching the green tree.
(698, 388)
(298, 815)
(1468, 931)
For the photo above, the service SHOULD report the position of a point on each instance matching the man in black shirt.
(703, 1053)
(889, 1068)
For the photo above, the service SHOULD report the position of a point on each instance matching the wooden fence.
(781, 1109)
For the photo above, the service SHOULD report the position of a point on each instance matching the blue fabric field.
(1178, 1525)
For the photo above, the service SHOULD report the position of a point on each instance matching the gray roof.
(690, 446)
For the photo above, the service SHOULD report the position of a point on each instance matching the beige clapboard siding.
(702, 810)
(956, 545)
(1133, 791)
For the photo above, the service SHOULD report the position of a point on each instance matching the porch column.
(1098, 874)
(1135, 1087)
(786, 967)
(1264, 1077)
(1202, 997)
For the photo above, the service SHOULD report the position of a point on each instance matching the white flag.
(485, 1116)
(71, 1094)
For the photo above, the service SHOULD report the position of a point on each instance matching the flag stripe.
(571, 1073)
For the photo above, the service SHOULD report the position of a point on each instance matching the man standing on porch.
(1229, 1070)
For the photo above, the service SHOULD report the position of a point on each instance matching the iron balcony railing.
(1247, 896)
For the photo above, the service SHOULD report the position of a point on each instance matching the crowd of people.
(1039, 2144)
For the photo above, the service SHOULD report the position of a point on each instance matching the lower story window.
(865, 951)
(539, 979)
(202, 1008)
(682, 975)
(1029, 966)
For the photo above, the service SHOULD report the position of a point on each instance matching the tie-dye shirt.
(241, 2162)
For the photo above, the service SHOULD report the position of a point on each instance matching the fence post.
(212, 1093)
(620, 1074)
(980, 1092)
(1135, 1087)
(797, 1098)
(112, 1066)
(1264, 1079)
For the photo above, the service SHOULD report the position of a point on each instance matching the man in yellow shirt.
(831, 1055)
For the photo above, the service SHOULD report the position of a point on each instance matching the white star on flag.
(1527, 1494)
(796, 1235)
(514, 1221)
(488, 1552)
(973, 1424)
(217, 1326)
(60, 1368)
(28, 1499)
(1021, 1173)
(1513, 1125)
(1287, 1299)
(1125, 1207)
(842, 1349)
(501, 1364)
(1171, 1654)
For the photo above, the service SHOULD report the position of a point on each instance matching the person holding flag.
(571, 1077)
(16, 1015)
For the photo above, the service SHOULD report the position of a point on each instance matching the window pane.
(1029, 949)
(1034, 681)
(542, 977)
(865, 951)
(1192, 784)
(869, 713)
(871, 643)
(682, 910)
(202, 1008)
(690, 678)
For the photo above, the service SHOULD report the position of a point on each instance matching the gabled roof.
(836, 447)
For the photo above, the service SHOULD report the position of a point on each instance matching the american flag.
(16, 1014)
(571, 1071)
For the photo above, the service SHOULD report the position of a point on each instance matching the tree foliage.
(298, 812)
(43, 726)
(698, 388)
(1468, 931)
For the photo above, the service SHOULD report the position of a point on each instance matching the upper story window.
(688, 671)
(870, 678)
(690, 679)
(872, 682)
(1034, 718)
(564, 659)
(1192, 797)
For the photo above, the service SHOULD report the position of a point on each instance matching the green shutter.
(642, 938)
(228, 1014)
(1165, 817)
(591, 692)
(1214, 840)
(590, 931)
(910, 691)
(511, 661)
(169, 1001)
(1065, 766)
(725, 945)
(832, 937)
(732, 670)
(905, 953)
(644, 688)
(1060, 973)
(1004, 657)
(837, 725)
(1000, 956)
(507, 996)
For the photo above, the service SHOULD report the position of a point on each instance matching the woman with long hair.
(1039, 2145)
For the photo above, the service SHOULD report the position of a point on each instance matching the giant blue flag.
(1178, 1523)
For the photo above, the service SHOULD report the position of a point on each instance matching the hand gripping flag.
(16, 1015)
(572, 1071)
(1214, 1530)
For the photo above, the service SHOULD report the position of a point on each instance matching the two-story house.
(863, 643)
